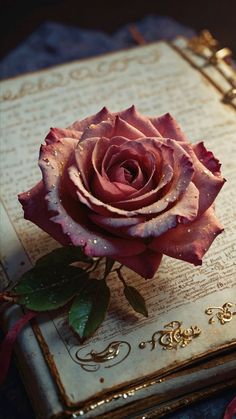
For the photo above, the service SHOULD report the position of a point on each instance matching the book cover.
(127, 363)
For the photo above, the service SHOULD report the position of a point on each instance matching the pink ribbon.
(7, 345)
(230, 410)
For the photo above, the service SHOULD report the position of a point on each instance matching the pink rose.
(128, 187)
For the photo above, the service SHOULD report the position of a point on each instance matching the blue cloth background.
(51, 44)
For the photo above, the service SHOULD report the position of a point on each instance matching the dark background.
(19, 17)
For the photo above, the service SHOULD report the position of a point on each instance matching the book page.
(157, 80)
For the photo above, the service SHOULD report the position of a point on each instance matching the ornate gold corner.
(224, 314)
(172, 337)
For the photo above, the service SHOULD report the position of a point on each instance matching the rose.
(127, 187)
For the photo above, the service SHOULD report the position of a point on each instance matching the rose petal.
(103, 129)
(168, 127)
(56, 134)
(207, 158)
(66, 230)
(139, 121)
(183, 211)
(207, 183)
(36, 210)
(189, 242)
(145, 264)
(124, 129)
(102, 115)
(83, 153)
(115, 225)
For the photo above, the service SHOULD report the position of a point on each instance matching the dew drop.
(46, 161)
(189, 229)
(95, 241)
(55, 152)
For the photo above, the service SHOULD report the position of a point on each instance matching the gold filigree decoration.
(205, 40)
(224, 314)
(115, 353)
(202, 41)
(172, 337)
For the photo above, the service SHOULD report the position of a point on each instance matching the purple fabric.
(51, 44)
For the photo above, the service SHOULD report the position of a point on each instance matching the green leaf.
(109, 265)
(89, 308)
(47, 288)
(63, 256)
(136, 300)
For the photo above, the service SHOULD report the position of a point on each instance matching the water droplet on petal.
(46, 161)
(95, 241)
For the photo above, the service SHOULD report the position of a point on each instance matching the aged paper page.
(157, 80)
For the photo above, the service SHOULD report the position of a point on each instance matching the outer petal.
(145, 264)
(189, 242)
(168, 127)
(56, 134)
(140, 122)
(66, 231)
(207, 158)
(124, 129)
(102, 115)
(208, 184)
(36, 210)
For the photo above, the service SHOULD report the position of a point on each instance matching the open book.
(124, 368)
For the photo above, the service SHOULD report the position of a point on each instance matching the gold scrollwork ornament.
(115, 353)
(172, 337)
(224, 314)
